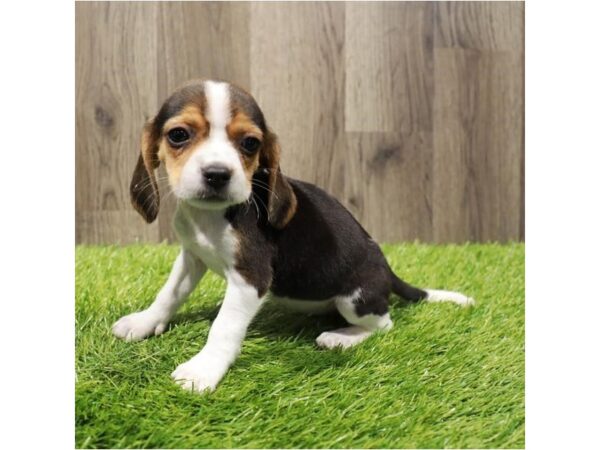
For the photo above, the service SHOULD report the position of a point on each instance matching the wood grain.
(116, 92)
(389, 64)
(477, 146)
(478, 192)
(411, 114)
(480, 25)
(392, 171)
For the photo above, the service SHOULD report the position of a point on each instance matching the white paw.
(200, 374)
(140, 325)
(344, 337)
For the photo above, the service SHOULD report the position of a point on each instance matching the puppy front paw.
(199, 374)
(140, 325)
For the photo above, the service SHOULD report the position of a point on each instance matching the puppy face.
(212, 138)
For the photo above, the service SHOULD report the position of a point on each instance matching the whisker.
(257, 209)
(149, 182)
(169, 193)
(266, 188)
(261, 183)
(262, 202)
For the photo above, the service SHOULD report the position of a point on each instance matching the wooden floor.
(411, 114)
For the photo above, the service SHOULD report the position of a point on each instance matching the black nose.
(216, 176)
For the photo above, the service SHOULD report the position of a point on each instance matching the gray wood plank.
(389, 187)
(115, 94)
(389, 65)
(480, 25)
(478, 146)
(411, 114)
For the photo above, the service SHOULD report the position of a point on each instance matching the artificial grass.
(444, 376)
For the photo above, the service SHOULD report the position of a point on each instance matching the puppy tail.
(414, 294)
(406, 291)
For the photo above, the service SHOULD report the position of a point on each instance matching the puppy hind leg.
(366, 316)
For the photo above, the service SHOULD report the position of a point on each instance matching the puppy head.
(212, 138)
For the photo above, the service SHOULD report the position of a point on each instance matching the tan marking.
(174, 164)
(239, 127)
(192, 119)
(190, 116)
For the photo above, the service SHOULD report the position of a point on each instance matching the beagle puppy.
(269, 236)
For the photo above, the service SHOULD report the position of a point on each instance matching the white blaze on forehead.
(218, 110)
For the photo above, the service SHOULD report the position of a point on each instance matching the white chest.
(208, 235)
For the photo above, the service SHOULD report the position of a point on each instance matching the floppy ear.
(282, 200)
(143, 188)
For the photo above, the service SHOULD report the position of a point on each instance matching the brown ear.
(282, 200)
(143, 188)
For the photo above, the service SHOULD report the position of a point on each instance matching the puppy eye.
(250, 144)
(178, 136)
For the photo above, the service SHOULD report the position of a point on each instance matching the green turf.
(444, 376)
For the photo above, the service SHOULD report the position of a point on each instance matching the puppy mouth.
(209, 193)
(210, 198)
(207, 197)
